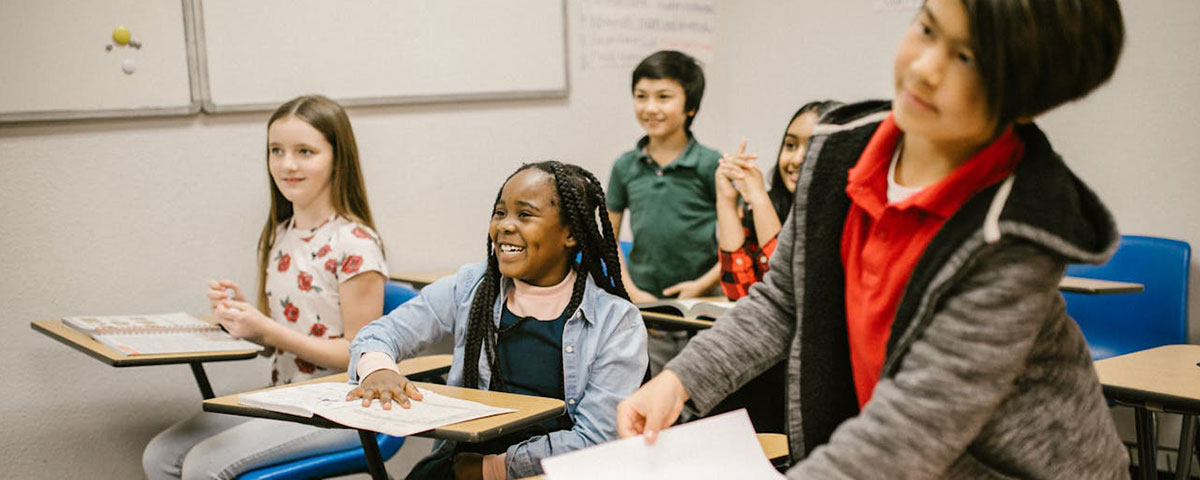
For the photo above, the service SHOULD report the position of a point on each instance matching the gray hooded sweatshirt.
(985, 374)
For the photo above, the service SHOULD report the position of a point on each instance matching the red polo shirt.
(881, 242)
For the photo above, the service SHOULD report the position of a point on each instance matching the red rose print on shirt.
(351, 264)
(304, 281)
(323, 251)
(290, 312)
(331, 265)
(305, 367)
(317, 330)
(307, 239)
(360, 233)
(285, 261)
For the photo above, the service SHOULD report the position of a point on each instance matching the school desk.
(667, 321)
(774, 446)
(1091, 285)
(529, 411)
(1160, 379)
(57, 330)
(419, 279)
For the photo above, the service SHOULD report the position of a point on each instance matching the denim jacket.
(604, 356)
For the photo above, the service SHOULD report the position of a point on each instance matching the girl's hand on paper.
(242, 320)
(385, 385)
(218, 290)
(652, 408)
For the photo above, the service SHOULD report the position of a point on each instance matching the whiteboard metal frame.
(193, 107)
(204, 93)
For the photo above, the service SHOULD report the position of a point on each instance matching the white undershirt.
(896, 192)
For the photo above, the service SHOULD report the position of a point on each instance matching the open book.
(708, 308)
(162, 333)
(328, 399)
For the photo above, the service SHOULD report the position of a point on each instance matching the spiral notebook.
(160, 333)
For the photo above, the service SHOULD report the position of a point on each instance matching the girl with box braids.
(580, 200)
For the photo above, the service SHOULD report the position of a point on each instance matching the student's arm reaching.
(921, 420)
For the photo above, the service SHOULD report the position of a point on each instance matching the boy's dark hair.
(678, 66)
(780, 197)
(581, 209)
(1035, 55)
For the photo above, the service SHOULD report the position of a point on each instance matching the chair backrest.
(625, 248)
(395, 294)
(1115, 324)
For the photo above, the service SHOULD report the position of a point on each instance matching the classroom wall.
(133, 216)
(129, 216)
(1131, 141)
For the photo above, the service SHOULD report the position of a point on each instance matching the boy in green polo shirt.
(668, 185)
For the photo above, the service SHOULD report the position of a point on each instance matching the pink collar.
(542, 303)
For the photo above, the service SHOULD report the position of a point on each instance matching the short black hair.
(1034, 55)
(678, 66)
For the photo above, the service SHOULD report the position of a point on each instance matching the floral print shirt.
(304, 271)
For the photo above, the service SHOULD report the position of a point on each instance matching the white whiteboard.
(56, 65)
(256, 55)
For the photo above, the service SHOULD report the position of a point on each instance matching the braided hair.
(581, 207)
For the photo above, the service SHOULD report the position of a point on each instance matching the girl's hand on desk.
(242, 320)
(219, 291)
(385, 385)
(653, 407)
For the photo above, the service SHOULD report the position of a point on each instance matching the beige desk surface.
(78, 340)
(419, 279)
(1091, 285)
(530, 410)
(774, 445)
(1166, 377)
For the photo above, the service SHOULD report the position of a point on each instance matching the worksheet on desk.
(329, 400)
(723, 446)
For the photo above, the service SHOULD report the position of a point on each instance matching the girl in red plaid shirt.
(746, 235)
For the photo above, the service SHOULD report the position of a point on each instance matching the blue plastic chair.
(1117, 324)
(350, 460)
(625, 248)
(1125, 323)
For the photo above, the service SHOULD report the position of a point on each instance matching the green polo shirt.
(672, 211)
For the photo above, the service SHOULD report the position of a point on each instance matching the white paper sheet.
(723, 447)
(329, 400)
